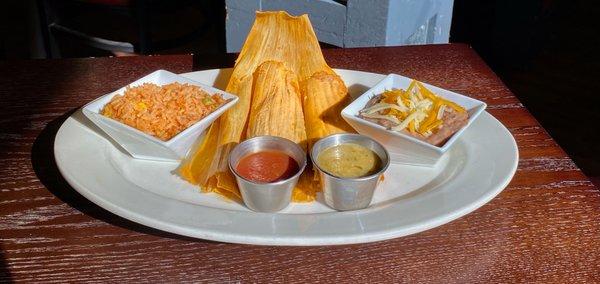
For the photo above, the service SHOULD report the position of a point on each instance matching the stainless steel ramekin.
(349, 193)
(267, 197)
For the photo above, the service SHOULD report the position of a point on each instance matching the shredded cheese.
(380, 116)
(405, 122)
(440, 112)
(418, 110)
(382, 106)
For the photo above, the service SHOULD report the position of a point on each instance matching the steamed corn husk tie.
(279, 52)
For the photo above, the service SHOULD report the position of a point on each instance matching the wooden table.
(545, 227)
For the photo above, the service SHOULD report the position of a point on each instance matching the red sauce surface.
(267, 166)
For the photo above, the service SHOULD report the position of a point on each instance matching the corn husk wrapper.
(280, 39)
(276, 108)
(325, 95)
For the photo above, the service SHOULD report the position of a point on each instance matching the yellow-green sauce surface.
(349, 160)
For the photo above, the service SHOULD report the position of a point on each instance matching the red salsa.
(267, 166)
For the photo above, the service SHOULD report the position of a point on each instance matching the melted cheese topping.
(417, 110)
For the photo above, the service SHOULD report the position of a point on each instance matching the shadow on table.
(44, 165)
(5, 276)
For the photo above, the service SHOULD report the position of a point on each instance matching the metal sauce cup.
(267, 197)
(349, 193)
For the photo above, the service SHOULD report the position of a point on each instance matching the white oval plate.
(410, 199)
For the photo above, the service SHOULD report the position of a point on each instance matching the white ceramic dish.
(409, 200)
(403, 148)
(143, 146)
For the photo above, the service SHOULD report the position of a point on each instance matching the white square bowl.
(143, 146)
(403, 148)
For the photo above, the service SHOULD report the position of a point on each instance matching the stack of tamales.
(285, 89)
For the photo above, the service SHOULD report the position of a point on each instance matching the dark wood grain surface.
(545, 227)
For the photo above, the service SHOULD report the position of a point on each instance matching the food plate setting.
(284, 150)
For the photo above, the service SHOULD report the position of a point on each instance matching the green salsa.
(349, 160)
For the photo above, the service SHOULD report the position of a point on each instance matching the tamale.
(276, 108)
(307, 187)
(207, 165)
(324, 97)
(275, 36)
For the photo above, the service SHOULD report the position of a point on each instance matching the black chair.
(128, 26)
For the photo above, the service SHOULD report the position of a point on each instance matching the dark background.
(546, 51)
